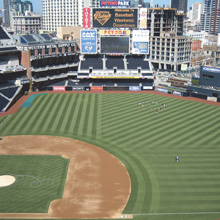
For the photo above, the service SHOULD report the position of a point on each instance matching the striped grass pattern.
(39, 180)
(144, 141)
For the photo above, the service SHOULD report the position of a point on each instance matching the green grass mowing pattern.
(145, 142)
(39, 180)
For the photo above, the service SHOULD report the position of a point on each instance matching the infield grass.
(145, 142)
(39, 180)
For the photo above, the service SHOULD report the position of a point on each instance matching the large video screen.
(115, 18)
(115, 45)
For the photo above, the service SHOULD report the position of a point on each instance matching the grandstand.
(13, 76)
(116, 71)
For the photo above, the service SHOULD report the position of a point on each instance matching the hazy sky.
(37, 3)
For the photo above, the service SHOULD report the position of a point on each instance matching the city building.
(7, 12)
(170, 52)
(58, 13)
(197, 9)
(18, 7)
(164, 20)
(198, 35)
(69, 33)
(30, 23)
(211, 16)
(180, 5)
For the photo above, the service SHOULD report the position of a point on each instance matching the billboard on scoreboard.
(89, 41)
(114, 32)
(140, 42)
(115, 45)
(143, 17)
(115, 18)
(115, 3)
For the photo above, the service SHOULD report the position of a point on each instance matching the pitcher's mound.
(6, 180)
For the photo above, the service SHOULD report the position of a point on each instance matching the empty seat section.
(3, 103)
(112, 62)
(9, 92)
(95, 62)
(137, 61)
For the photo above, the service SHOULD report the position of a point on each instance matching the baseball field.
(141, 132)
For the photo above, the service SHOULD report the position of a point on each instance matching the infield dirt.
(97, 185)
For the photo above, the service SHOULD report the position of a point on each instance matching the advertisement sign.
(140, 42)
(162, 90)
(147, 77)
(86, 17)
(115, 3)
(211, 69)
(118, 45)
(174, 92)
(77, 88)
(134, 88)
(143, 18)
(115, 77)
(147, 87)
(96, 88)
(115, 18)
(114, 32)
(58, 88)
(88, 41)
(183, 67)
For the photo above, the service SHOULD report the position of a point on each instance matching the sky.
(37, 3)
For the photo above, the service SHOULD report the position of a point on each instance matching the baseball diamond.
(117, 153)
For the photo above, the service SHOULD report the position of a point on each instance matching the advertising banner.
(96, 88)
(117, 45)
(162, 90)
(58, 88)
(210, 69)
(147, 87)
(134, 88)
(89, 41)
(115, 3)
(183, 67)
(115, 77)
(114, 32)
(86, 17)
(140, 42)
(115, 18)
(174, 92)
(143, 18)
(77, 88)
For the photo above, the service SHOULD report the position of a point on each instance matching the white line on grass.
(192, 213)
(4, 120)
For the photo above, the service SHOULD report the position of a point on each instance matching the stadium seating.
(61, 83)
(95, 62)
(9, 92)
(3, 103)
(133, 62)
(115, 61)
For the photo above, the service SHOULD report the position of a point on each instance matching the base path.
(97, 185)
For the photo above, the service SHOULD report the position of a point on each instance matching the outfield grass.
(145, 142)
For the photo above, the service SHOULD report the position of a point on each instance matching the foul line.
(193, 213)
(4, 120)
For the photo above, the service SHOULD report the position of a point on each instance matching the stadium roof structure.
(3, 34)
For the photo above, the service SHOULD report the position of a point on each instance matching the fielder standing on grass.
(177, 158)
